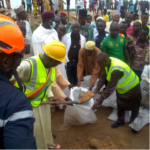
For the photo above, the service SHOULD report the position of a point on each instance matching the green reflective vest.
(129, 79)
(38, 77)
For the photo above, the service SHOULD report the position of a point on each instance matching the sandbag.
(141, 120)
(113, 116)
(79, 114)
(145, 85)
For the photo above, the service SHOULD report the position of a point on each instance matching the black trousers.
(138, 73)
(72, 72)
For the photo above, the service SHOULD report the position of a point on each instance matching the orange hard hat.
(11, 35)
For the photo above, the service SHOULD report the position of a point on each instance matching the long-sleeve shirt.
(88, 64)
(126, 100)
(16, 118)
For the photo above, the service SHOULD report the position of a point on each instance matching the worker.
(127, 85)
(38, 74)
(16, 114)
(87, 63)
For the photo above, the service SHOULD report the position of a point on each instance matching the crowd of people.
(58, 55)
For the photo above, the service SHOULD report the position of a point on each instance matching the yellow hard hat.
(55, 50)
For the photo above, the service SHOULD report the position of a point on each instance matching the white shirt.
(28, 29)
(66, 40)
(80, 3)
(42, 36)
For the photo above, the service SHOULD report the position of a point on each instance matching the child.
(109, 15)
(89, 19)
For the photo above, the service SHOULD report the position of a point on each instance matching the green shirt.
(109, 17)
(114, 47)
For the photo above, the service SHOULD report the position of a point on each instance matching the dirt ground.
(99, 135)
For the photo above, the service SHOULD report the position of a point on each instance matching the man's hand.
(95, 92)
(90, 88)
(68, 99)
(79, 84)
(54, 99)
(95, 105)
(70, 86)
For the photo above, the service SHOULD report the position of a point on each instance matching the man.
(87, 64)
(129, 38)
(92, 6)
(141, 47)
(85, 2)
(73, 41)
(56, 6)
(44, 34)
(102, 33)
(63, 19)
(86, 29)
(124, 80)
(144, 20)
(115, 18)
(28, 50)
(29, 6)
(16, 115)
(129, 18)
(21, 15)
(79, 6)
(61, 31)
(115, 44)
(89, 19)
(61, 5)
(106, 18)
(38, 74)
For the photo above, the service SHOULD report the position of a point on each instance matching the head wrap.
(116, 13)
(19, 10)
(90, 45)
(138, 21)
(99, 18)
(48, 14)
(83, 12)
(62, 12)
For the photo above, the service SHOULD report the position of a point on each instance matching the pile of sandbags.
(8, 12)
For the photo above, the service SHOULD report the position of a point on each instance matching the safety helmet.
(11, 35)
(55, 50)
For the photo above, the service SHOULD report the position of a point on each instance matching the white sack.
(79, 114)
(113, 116)
(141, 120)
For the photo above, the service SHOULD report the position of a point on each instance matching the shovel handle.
(63, 102)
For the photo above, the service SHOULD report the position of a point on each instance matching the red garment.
(92, 7)
(85, 3)
(62, 12)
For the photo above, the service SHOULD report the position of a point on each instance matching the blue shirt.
(93, 3)
(16, 118)
(100, 38)
(28, 2)
(132, 8)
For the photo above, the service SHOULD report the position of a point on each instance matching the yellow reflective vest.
(129, 79)
(38, 77)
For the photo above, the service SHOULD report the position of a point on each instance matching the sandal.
(55, 146)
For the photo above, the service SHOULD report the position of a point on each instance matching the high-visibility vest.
(129, 79)
(38, 77)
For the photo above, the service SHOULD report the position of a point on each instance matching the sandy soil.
(99, 135)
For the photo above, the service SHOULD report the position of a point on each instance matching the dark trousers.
(121, 113)
(72, 72)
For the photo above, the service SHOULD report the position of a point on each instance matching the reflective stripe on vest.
(129, 79)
